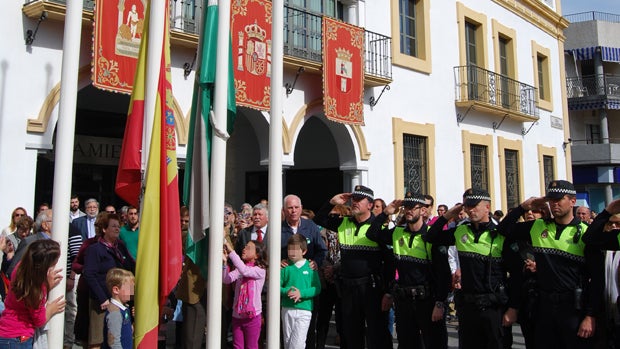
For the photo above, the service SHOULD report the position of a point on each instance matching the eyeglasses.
(111, 212)
(228, 213)
(613, 224)
(18, 214)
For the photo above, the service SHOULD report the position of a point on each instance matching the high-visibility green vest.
(570, 243)
(350, 238)
(465, 242)
(406, 245)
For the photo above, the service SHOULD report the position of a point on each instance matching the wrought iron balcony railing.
(303, 34)
(476, 84)
(593, 85)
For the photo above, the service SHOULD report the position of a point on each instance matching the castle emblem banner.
(116, 43)
(343, 72)
(251, 36)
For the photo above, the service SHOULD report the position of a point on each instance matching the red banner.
(343, 72)
(116, 43)
(251, 36)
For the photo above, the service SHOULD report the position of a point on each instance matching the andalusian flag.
(159, 262)
(197, 168)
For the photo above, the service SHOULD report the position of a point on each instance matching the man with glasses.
(424, 275)
(486, 304)
(569, 271)
(86, 224)
(361, 280)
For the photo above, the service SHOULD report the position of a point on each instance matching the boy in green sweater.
(299, 284)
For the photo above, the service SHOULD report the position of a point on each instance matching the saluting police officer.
(485, 258)
(361, 262)
(424, 275)
(569, 272)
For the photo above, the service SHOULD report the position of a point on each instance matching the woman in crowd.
(18, 213)
(107, 253)
(26, 305)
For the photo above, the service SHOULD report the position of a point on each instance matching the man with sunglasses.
(569, 272)
(360, 284)
(486, 303)
(424, 275)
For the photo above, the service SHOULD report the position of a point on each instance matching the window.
(472, 50)
(479, 170)
(542, 81)
(511, 160)
(411, 34)
(594, 134)
(415, 163)
(504, 41)
(408, 42)
(548, 169)
(478, 161)
(472, 61)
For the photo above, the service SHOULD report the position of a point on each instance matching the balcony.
(593, 92)
(583, 152)
(302, 35)
(495, 93)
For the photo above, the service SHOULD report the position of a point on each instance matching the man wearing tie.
(257, 231)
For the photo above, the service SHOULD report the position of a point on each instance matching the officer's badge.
(464, 238)
(544, 234)
(401, 241)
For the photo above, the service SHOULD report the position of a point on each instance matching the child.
(299, 284)
(251, 270)
(26, 308)
(117, 330)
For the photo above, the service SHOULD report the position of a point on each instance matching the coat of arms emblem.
(254, 50)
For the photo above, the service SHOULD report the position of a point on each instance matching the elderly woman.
(107, 253)
(18, 213)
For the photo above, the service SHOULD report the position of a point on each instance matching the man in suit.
(86, 224)
(258, 230)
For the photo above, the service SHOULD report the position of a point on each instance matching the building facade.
(475, 97)
(592, 57)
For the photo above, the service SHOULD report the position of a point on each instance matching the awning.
(582, 104)
(609, 54)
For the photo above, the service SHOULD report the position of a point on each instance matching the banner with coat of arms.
(116, 43)
(343, 72)
(251, 36)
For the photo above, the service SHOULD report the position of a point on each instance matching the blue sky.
(575, 6)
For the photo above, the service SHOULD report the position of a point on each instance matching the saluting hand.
(534, 203)
(453, 212)
(340, 199)
(613, 207)
(393, 207)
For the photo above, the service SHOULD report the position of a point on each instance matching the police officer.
(485, 259)
(360, 283)
(424, 275)
(604, 233)
(569, 272)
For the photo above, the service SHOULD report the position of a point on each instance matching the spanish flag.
(159, 262)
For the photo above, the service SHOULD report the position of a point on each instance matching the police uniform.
(597, 236)
(485, 294)
(360, 281)
(424, 280)
(569, 273)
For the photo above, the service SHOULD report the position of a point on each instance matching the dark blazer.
(316, 246)
(98, 260)
(245, 236)
(81, 224)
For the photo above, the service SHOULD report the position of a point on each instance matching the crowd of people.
(543, 265)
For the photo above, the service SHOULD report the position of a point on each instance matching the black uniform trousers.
(480, 327)
(413, 317)
(362, 315)
(558, 322)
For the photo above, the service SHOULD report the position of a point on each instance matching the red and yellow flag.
(159, 262)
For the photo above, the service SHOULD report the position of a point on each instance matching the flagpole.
(158, 9)
(63, 161)
(218, 178)
(275, 174)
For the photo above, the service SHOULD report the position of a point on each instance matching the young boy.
(298, 285)
(117, 330)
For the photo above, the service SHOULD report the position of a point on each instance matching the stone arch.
(41, 123)
(302, 113)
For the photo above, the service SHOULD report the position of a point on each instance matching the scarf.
(113, 249)
(245, 299)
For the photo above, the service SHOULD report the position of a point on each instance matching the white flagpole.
(218, 178)
(63, 162)
(275, 174)
(158, 9)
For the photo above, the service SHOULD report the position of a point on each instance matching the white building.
(476, 98)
